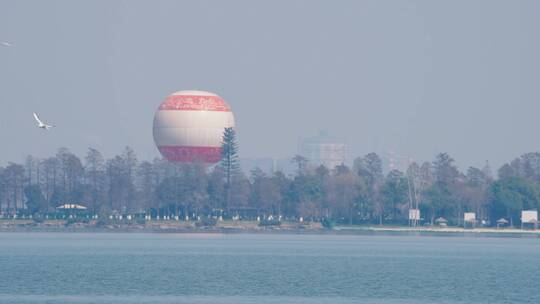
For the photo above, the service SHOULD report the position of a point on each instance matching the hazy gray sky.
(416, 77)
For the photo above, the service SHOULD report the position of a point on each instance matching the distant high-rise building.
(393, 161)
(323, 150)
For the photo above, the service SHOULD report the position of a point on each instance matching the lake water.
(256, 268)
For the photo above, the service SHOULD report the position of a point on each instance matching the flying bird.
(41, 124)
(6, 43)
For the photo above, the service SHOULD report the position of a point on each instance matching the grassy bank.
(153, 226)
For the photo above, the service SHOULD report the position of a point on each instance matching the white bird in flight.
(6, 44)
(41, 124)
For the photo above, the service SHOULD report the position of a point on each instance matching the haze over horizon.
(414, 77)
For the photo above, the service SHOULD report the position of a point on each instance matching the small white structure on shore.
(71, 210)
(469, 218)
(414, 217)
(441, 221)
(529, 217)
(502, 222)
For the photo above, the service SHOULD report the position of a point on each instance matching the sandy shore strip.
(439, 229)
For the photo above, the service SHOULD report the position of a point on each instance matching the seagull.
(41, 124)
(6, 44)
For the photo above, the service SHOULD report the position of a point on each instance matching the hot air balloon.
(189, 126)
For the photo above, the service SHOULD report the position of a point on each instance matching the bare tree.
(95, 178)
(369, 168)
(265, 194)
(14, 175)
(146, 183)
(344, 191)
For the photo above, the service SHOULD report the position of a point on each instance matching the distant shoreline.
(239, 227)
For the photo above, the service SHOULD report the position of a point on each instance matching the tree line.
(358, 194)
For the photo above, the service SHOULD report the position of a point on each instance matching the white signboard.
(414, 214)
(469, 217)
(529, 216)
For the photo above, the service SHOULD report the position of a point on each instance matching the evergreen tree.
(229, 160)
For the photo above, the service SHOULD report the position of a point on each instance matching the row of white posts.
(187, 218)
(158, 218)
(130, 217)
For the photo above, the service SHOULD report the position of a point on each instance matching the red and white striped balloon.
(189, 125)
